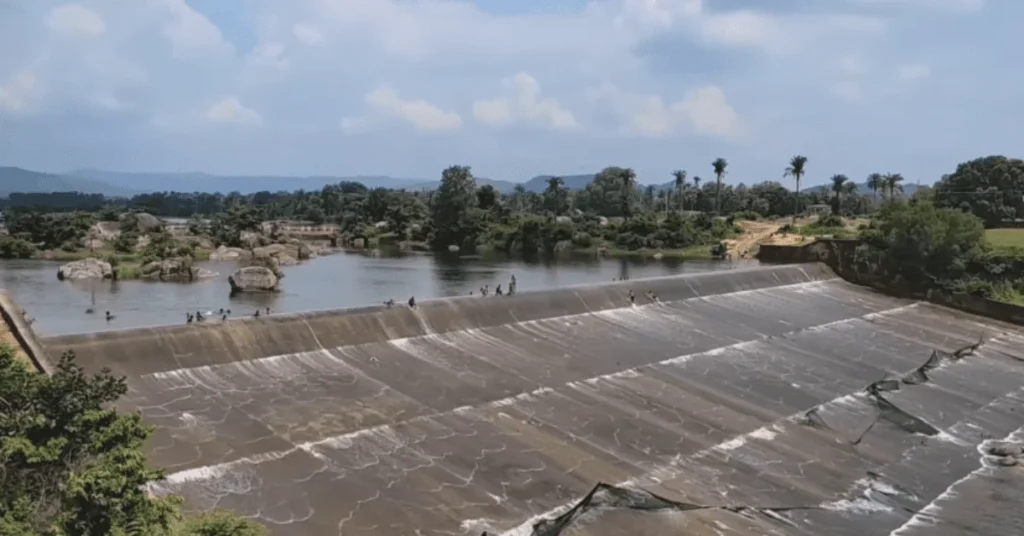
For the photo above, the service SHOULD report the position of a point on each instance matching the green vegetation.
(72, 466)
(991, 188)
(1005, 238)
(919, 247)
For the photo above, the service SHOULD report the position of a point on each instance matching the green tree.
(72, 465)
(875, 182)
(840, 184)
(991, 188)
(451, 209)
(719, 166)
(12, 247)
(628, 177)
(893, 184)
(922, 246)
(556, 197)
(797, 168)
(680, 183)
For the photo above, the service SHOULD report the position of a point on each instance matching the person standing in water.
(412, 302)
(632, 297)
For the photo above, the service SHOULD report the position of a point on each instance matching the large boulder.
(141, 222)
(178, 269)
(253, 279)
(85, 269)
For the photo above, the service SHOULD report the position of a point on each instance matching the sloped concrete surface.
(743, 393)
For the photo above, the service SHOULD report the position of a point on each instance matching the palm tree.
(892, 182)
(628, 185)
(719, 166)
(796, 169)
(875, 182)
(680, 176)
(839, 185)
(696, 192)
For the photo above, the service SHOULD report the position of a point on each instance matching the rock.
(85, 269)
(253, 279)
(453, 248)
(602, 221)
(178, 269)
(272, 250)
(658, 256)
(225, 253)
(285, 259)
(358, 243)
(381, 225)
(142, 222)
(563, 219)
(1005, 449)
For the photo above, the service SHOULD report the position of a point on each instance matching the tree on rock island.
(71, 465)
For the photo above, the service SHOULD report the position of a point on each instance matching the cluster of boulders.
(85, 269)
(176, 269)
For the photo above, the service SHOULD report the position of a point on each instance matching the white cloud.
(849, 91)
(75, 19)
(948, 5)
(19, 93)
(230, 111)
(913, 72)
(704, 111)
(308, 34)
(387, 103)
(269, 55)
(188, 30)
(523, 102)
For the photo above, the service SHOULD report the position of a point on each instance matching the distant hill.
(207, 183)
(14, 179)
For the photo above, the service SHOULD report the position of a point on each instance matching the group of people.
(650, 296)
(198, 316)
(486, 289)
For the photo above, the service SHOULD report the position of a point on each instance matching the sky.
(512, 88)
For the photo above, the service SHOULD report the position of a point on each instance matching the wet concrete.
(456, 418)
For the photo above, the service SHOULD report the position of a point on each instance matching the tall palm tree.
(839, 185)
(696, 192)
(875, 182)
(628, 185)
(796, 169)
(892, 182)
(719, 166)
(680, 176)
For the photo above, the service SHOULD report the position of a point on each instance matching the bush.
(15, 248)
(73, 465)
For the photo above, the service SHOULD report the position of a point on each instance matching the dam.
(771, 400)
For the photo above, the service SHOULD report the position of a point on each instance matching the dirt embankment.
(756, 233)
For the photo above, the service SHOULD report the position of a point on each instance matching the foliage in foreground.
(921, 247)
(70, 464)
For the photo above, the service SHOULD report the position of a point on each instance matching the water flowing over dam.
(771, 400)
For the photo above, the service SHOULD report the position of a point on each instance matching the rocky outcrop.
(85, 269)
(141, 222)
(253, 279)
(178, 269)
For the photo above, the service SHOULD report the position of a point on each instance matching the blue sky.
(511, 88)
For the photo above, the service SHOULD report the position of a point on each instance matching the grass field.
(1006, 237)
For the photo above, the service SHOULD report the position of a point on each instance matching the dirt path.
(756, 233)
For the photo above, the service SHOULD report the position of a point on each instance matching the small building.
(818, 210)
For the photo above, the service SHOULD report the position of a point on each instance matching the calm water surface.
(328, 282)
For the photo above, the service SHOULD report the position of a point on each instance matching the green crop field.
(1006, 237)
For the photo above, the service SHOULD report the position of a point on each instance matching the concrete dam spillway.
(772, 400)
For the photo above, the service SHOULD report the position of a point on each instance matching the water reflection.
(327, 283)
